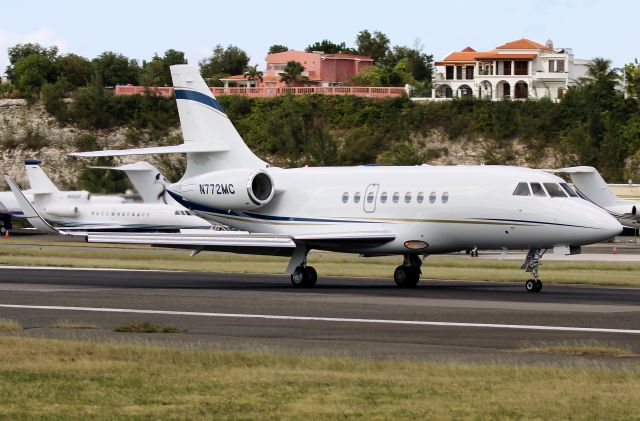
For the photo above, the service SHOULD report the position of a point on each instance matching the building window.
(458, 72)
(449, 72)
(521, 67)
(560, 92)
(507, 68)
(556, 66)
(469, 72)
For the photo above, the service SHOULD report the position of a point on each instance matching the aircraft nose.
(606, 225)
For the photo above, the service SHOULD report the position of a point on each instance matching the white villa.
(518, 69)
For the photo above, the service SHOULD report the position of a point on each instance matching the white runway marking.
(326, 319)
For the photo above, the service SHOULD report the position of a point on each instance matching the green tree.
(418, 64)
(115, 68)
(278, 48)
(632, 76)
(374, 45)
(252, 73)
(292, 73)
(329, 47)
(223, 62)
(19, 51)
(33, 71)
(76, 69)
(157, 72)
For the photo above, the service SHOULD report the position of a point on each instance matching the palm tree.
(292, 73)
(601, 74)
(251, 73)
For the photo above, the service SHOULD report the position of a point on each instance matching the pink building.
(321, 69)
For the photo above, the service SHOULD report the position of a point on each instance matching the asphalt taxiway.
(476, 321)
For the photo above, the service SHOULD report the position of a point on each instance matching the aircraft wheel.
(312, 276)
(533, 285)
(3, 229)
(303, 277)
(406, 276)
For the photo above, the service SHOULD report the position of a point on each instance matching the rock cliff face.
(29, 132)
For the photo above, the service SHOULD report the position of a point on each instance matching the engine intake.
(241, 189)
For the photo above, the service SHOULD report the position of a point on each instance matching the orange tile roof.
(468, 49)
(234, 77)
(508, 56)
(522, 44)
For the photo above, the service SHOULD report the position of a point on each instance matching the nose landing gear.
(408, 274)
(531, 265)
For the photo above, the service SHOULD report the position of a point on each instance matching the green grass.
(9, 325)
(76, 254)
(78, 380)
(147, 327)
(583, 348)
(72, 324)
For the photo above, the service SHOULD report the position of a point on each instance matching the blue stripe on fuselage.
(198, 97)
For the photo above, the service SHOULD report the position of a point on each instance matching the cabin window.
(420, 197)
(407, 197)
(522, 189)
(356, 197)
(554, 190)
(445, 197)
(432, 197)
(383, 197)
(370, 197)
(396, 197)
(345, 197)
(537, 190)
(568, 189)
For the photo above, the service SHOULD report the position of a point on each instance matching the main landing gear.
(408, 274)
(531, 265)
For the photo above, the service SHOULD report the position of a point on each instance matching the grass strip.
(72, 324)
(586, 348)
(72, 380)
(10, 325)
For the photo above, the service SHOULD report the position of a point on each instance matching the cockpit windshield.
(554, 190)
(538, 190)
(522, 189)
(569, 190)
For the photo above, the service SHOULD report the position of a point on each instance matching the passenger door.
(371, 197)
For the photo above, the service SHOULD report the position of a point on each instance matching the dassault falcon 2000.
(371, 210)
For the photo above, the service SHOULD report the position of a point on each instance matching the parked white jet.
(409, 211)
(590, 185)
(80, 213)
(9, 207)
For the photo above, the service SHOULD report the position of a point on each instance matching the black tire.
(312, 276)
(406, 276)
(538, 285)
(531, 285)
(299, 277)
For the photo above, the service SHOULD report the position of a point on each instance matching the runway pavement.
(474, 321)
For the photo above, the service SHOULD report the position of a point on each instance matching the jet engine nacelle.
(63, 211)
(626, 210)
(240, 189)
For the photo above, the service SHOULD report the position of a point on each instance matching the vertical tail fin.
(148, 181)
(590, 184)
(203, 121)
(39, 181)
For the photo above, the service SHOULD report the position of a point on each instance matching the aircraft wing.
(239, 241)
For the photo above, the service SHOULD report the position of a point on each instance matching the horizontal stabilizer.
(193, 147)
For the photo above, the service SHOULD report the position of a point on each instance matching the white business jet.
(590, 185)
(78, 212)
(371, 210)
(9, 207)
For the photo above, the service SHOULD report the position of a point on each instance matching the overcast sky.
(138, 29)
